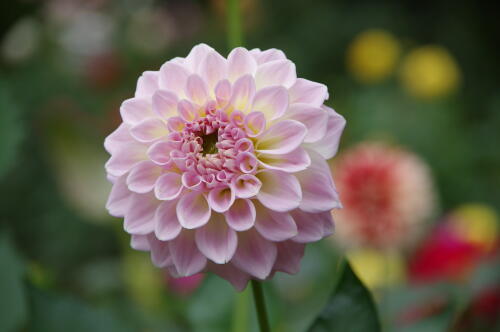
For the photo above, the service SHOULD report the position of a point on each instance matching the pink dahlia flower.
(219, 164)
(386, 193)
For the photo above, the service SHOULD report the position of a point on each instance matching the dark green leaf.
(350, 308)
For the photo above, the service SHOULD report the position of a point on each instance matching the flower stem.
(234, 31)
(260, 306)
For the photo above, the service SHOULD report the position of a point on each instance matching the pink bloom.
(219, 164)
(184, 286)
(387, 194)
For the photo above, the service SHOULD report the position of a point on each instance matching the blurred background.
(418, 169)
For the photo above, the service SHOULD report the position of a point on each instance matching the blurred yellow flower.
(377, 268)
(372, 55)
(477, 224)
(429, 72)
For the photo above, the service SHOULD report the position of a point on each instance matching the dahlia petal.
(118, 139)
(314, 118)
(187, 110)
(160, 252)
(267, 55)
(241, 215)
(167, 225)
(277, 72)
(246, 162)
(235, 276)
(291, 162)
(191, 180)
(196, 89)
(193, 210)
(243, 93)
(255, 124)
(327, 146)
(246, 185)
(280, 191)
(310, 226)
(308, 92)
(159, 152)
(223, 93)
(196, 56)
(274, 226)
(213, 69)
(147, 84)
(168, 186)
(139, 218)
(149, 130)
(272, 101)
(255, 255)
(240, 62)
(282, 137)
(188, 260)
(135, 110)
(142, 177)
(173, 77)
(318, 190)
(221, 198)
(289, 255)
(164, 104)
(139, 242)
(122, 160)
(175, 123)
(119, 197)
(216, 240)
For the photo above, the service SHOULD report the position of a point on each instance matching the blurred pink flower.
(386, 193)
(219, 164)
(184, 285)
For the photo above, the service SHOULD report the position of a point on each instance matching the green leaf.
(350, 308)
(12, 296)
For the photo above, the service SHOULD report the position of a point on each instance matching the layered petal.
(327, 146)
(188, 260)
(314, 118)
(193, 210)
(277, 72)
(243, 92)
(240, 62)
(216, 240)
(308, 92)
(241, 215)
(143, 176)
(282, 137)
(289, 255)
(311, 227)
(149, 130)
(255, 255)
(139, 218)
(135, 110)
(118, 200)
(173, 77)
(147, 84)
(274, 226)
(168, 186)
(280, 191)
(167, 226)
(164, 104)
(291, 162)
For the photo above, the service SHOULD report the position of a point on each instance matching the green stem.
(234, 31)
(260, 306)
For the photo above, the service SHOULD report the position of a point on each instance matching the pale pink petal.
(175, 124)
(308, 92)
(147, 84)
(143, 176)
(167, 225)
(139, 242)
(187, 110)
(289, 255)
(213, 69)
(118, 200)
(216, 240)
(159, 152)
(139, 218)
(277, 72)
(197, 56)
(282, 137)
(223, 93)
(314, 118)
(243, 93)
(149, 130)
(235, 276)
(164, 104)
(191, 180)
(255, 124)
(246, 185)
(280, 191)
(240, 62)
(267, 55)
(168, 186)
(221, 198)
(246, 162)
(118, 139)
(318, 190)
(291, 162)
(160, 252)
(125, 158)
(327, 146)
(187, 258)
(274, 226)
(196, 89)
(255, 255)
(311, 226)
(241, 215)
(272, 101)
(173, 77)
(193, 210)
(135, 110)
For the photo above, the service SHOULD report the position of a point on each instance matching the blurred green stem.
(240, 313)
(234, 30)
(260, 306)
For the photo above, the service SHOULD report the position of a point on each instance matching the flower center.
(209, 143)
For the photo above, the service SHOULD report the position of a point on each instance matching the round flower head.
(386, 192)
(219, 164)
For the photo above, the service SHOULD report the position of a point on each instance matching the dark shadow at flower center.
(209, 142)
